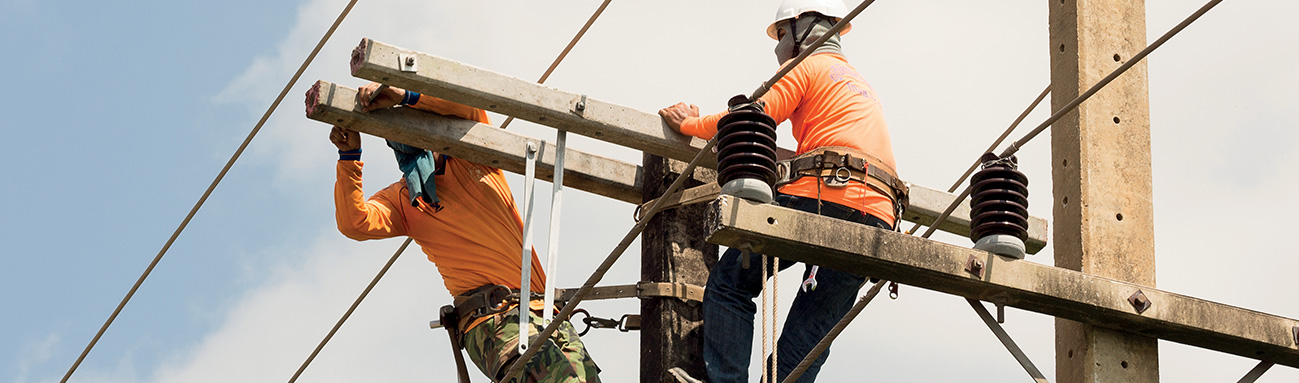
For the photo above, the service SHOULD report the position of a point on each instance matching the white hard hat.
(790, 9)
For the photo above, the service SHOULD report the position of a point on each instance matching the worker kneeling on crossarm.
(844, 169)
(463, 216)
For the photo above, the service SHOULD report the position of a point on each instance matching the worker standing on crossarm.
(463, 216)
(837, 120)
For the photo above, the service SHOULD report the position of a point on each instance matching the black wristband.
(350, 155)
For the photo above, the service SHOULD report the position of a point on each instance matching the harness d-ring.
(842, 174)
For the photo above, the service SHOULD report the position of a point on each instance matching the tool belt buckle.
(839, 178)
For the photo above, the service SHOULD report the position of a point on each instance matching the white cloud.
(952, 77)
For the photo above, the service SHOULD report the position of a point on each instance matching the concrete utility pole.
(1100, 153)
(673, 249)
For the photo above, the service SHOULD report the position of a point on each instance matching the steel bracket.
(1140, 302)
(408, 62)
(974, 265)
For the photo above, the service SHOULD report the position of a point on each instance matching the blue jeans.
(729, 306)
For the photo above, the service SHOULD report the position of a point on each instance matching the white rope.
(765, 328)
(775, 316)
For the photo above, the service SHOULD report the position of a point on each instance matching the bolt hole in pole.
(1116, 120)
(1118, 216)
(1117, 58)
(1124, 364)
(771, 220)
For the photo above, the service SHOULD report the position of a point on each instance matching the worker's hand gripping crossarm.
(676, 115)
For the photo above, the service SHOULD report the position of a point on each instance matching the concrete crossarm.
(480, 88)
(799, 236)
(604, 121)
(480, 143)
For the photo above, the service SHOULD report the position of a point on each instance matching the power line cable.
(348, 314)
(995, 143)
(1014, 147)
(209, 190)
(564, 54)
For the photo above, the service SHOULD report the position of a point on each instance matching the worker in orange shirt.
(463, 216)
(836, 116)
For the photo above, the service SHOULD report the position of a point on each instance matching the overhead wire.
(1014, 147)
(995, 143)
(210, 188)
(516, 367)
(564, 54)
(348, 314)
(824, 343)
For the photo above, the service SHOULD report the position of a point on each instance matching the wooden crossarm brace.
(806, 237)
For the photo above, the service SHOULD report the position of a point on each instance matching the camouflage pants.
(494, 344)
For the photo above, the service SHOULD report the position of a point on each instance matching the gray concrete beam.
(1103, 302)
(480, 143)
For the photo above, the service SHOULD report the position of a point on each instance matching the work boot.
(682, 376)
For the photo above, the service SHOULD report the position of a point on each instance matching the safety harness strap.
(448, 316)
(837, 165)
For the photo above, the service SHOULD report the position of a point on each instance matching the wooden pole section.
(673, 249)
(1099, 301)
(1103, 207)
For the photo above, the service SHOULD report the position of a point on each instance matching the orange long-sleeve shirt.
(474, 235)
(829, 104)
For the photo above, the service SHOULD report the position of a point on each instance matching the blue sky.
(121, 113)
(119, 134)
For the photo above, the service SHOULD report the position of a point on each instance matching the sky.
(121, 114)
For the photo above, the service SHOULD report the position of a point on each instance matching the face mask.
(785, 46)
(809, 29)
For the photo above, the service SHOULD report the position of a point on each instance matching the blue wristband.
(410, 99)
(350, 155)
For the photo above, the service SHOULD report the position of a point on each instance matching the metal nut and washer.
(1140, 302)
(974, 265)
